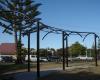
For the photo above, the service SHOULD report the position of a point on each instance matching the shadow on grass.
(54, 75)
(76, 74)
(72, 76)
(4, 68)
(11, 67)
(26, 75)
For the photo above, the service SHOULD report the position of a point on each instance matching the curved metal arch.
(46, 34)
(86, 36)
(97, 36)
(89, 34)
(76, 33)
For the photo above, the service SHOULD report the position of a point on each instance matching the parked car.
(0, 58)
(44, 59)
(54, 58)
(7, 59)
(84, 58)
(33, 58)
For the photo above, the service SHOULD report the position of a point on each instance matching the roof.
(7, 49)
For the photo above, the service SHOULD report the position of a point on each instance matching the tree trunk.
(16, 42)
(18, 47)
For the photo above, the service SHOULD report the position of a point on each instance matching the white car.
(90, 58)
(0, 58)
(33, 58)
(44, 59)
(84, 58)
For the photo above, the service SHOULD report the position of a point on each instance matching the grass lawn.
(8, 67)
(92, 73)
(89, 73)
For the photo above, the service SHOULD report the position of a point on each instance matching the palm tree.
(16, 16)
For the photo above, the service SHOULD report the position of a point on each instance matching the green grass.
(91, 73)
(8, 67)
(11, 67)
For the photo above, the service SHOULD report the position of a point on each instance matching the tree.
(59, 52)
(16, 16)
(90, 52)
(24, 53)
(77, 49)
(43, 52)
(93, 49)
(33, 51)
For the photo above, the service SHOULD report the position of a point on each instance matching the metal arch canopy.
(50, 29)
(66, 33)
(53, 29)
(42, 26)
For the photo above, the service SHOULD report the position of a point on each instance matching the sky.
(74, 15)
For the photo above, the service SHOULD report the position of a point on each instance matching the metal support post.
(63, 51)
(28, 52)
(38, 51)
(67, 51)
(95, 49)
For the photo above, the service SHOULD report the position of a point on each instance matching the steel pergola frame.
(65, 34)
(39, 26)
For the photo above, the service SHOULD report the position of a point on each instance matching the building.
(8, 49)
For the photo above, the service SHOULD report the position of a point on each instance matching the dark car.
(7, 59)
(53, 58)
